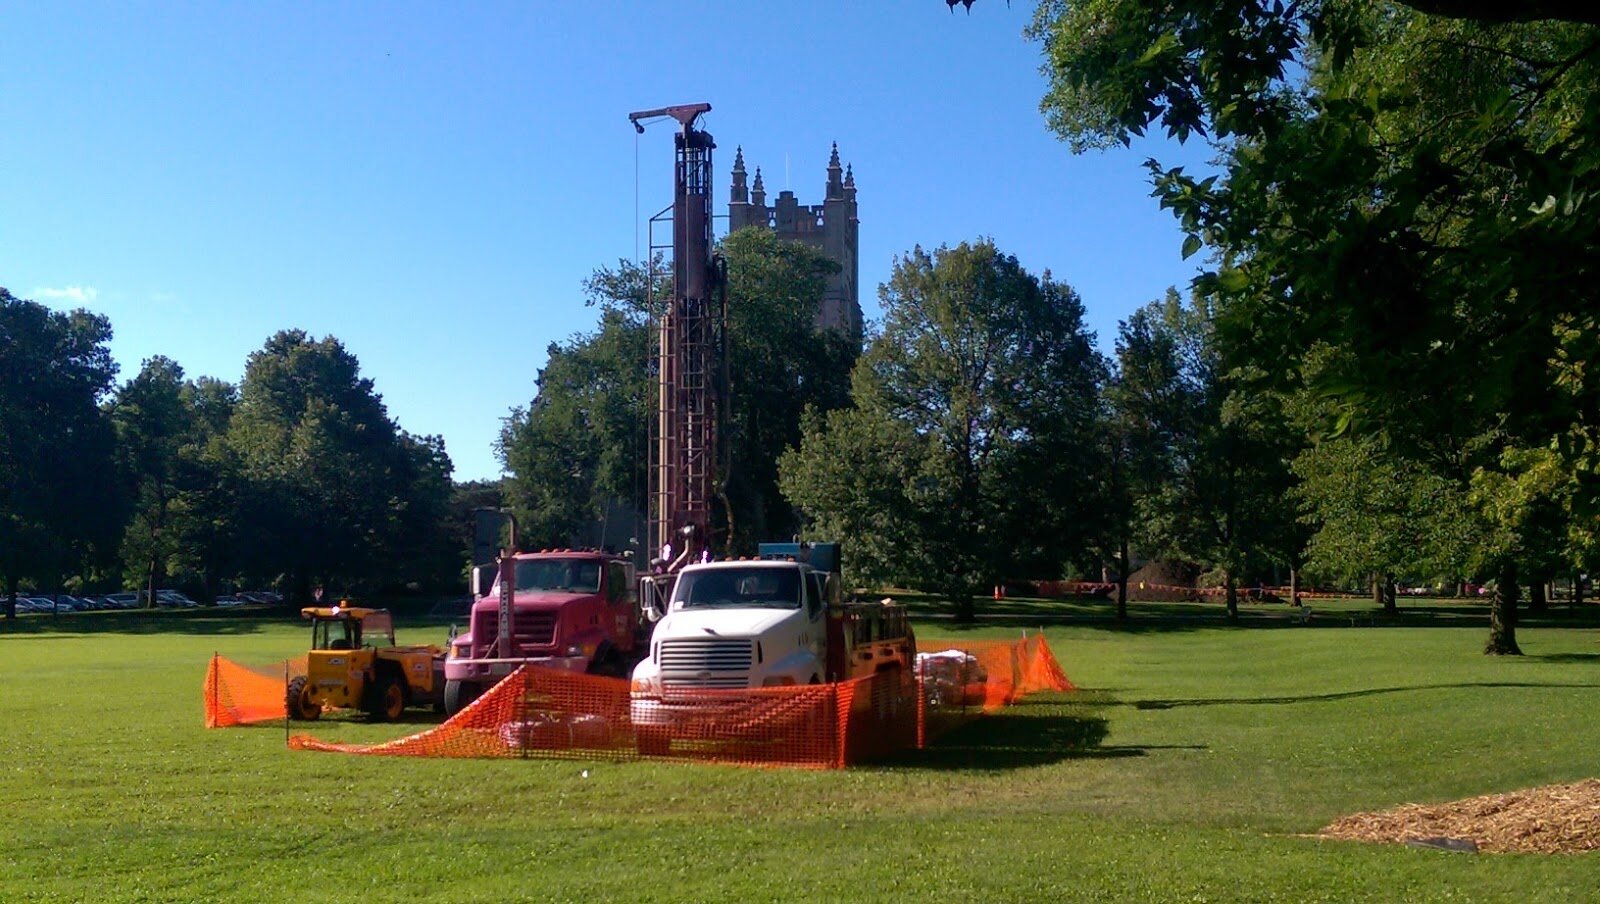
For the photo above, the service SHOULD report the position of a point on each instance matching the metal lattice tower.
(690, 382)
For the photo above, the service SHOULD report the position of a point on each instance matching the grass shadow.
(1004, 741)
(1342, 695)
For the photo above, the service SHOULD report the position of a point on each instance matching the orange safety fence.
(240, 695)
(538, 712)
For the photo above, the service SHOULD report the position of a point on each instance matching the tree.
(58, 503)
(973, 422)
(583, 442)
(780, 365)
(1212, 466)
(1408, 189)
(335, 492)
(152, 423)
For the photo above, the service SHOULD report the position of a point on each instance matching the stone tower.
(831, 227)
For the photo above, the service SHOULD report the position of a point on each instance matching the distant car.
(229, 601)
(123, 600)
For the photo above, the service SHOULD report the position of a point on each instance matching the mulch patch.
(1554, 819)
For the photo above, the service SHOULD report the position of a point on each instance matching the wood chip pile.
(1554, 819)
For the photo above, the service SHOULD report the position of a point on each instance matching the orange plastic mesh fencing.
(539, 712)
(240, 695)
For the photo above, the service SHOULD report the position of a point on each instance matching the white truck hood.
(724, 622)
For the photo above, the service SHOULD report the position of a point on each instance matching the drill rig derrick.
(691, 368)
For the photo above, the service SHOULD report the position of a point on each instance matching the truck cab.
(734, 626)
(570, 609)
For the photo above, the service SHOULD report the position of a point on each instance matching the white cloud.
(77, 294)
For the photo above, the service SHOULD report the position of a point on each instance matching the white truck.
(736, 625)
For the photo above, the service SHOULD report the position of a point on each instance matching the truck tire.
(457, 694)
(609, 663)
(386, 699)
(298, 704)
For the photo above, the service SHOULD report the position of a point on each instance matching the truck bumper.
(490, 671)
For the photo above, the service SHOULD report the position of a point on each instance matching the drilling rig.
(691, 366)
(731, 625)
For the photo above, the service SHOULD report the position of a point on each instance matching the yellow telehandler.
(355, 663)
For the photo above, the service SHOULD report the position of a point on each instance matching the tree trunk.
(1232, 596)
(1377, 591)
(1390, 605)
(1503, 615)
(1577, 590)
(966, 611)
(1537, 600)
(1122, 583)
(1294, 586)
(11, 598)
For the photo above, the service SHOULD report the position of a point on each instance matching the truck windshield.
(760, 588)
(571, 575)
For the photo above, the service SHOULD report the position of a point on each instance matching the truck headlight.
(649, 686)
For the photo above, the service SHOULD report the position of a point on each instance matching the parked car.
(230, 601)
(123, 600)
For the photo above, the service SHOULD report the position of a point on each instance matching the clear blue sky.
(432, 182)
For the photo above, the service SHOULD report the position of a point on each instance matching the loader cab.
(349, 628)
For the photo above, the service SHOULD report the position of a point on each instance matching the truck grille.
(708, 662)
(529, 629)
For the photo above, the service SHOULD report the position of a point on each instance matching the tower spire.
(739, 193)
(758, 192)
(835, 187)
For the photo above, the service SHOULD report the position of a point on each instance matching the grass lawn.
(1189, 767)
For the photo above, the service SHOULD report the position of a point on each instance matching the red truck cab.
(571, 609)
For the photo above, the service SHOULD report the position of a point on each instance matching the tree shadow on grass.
(1015, 739)
(1342, 695)
(1149, 617)
(1565, 657)
(183, 621)
(203, 621)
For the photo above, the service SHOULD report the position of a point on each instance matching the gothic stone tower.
(831, 227)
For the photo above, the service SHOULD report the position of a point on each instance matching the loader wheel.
(457, 694)
(298, 703)
(388, 699)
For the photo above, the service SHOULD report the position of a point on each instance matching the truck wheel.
(388, 699)
(298, 703)
(457, 694)
(653, 743)
(609, 664)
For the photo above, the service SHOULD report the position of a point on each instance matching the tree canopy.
(967, 457)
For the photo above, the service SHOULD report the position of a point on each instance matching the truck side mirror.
(483, 579)
(651, 604)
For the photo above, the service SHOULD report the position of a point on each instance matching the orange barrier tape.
(240, 695)
(538, 712)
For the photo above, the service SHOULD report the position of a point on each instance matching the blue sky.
(431, 183)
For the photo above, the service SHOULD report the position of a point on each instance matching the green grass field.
(1189, 767)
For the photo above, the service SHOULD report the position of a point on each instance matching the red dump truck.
(565, 608)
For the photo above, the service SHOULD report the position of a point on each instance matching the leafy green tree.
(1145, 395)
(780, 365)
(153, 424)
(58, 503)
(583, 442)
(1212, 452)
(973, 428)
(1412, 190)
(335, 493)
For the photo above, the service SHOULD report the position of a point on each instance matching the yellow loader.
(355, 663)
